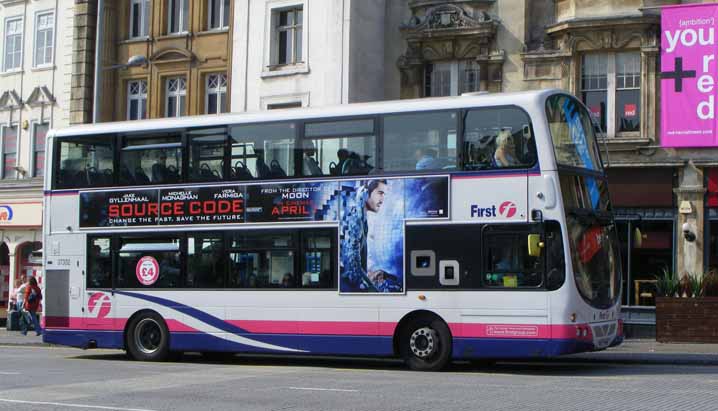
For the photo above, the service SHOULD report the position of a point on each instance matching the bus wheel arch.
(423, 339)
(146, 336)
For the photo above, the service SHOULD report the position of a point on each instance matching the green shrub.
(667, 283)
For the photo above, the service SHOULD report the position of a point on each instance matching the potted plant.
(686, 307)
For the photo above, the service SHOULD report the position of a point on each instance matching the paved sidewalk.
(652, 352)
(15, 338)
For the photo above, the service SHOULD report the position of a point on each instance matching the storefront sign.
(21, 214)
(688, 76)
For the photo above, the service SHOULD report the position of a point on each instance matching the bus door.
(514, 265)
(99, 296)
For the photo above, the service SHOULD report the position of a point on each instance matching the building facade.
(184, 52)
(297, 53)
(608, 54)
(35, 70)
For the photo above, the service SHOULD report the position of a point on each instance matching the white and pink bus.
(472, 227)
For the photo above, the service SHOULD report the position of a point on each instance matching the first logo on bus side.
(507, 209)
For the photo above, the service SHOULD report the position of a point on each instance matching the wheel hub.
(423, 342)
(148, 336)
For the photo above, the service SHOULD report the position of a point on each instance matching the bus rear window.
(85, 162)
(572, 132)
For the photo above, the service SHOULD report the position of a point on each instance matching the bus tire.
(148, 338)
(425, 344)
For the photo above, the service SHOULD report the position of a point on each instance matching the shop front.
(20, 235)
(646, 217)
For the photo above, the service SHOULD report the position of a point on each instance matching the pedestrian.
(19, 294)
(33, 296)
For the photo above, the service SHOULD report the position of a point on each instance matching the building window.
(611, 88)
(44, 38)
(139, 18)
(452, 78)
(39, 135)
(13, 44)
(288, 32)
(217, 14)
(176, 96)
(9, 152)
(137, 100)
(177, 16)
(216, 99)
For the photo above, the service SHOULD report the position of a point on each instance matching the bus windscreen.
(572, 132)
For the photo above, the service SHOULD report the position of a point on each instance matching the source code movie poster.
(370, 213)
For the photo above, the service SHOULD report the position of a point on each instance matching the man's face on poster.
(376, 198)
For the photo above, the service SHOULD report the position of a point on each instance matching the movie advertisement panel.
(118, 209)
(287, 202)
(371, 217)
(205, 205)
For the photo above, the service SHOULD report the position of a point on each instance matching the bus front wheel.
(426, 344)
(148, 338)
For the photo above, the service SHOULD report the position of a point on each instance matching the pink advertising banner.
(688, 76)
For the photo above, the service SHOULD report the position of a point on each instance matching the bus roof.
(522, 99)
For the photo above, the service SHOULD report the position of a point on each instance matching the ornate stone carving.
(447, 31)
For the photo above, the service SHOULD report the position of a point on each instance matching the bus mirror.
(535, 245)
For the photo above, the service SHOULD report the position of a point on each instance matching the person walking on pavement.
(20, 295)
(33, 296)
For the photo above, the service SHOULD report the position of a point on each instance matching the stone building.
(35, 68)
(297, 53)
(162, 58)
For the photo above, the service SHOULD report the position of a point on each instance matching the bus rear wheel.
(148, 338)
(426, 344)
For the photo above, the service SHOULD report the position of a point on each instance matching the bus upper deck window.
(85, 162)
(498, 138)
(339, 148)
(156, 160)
(431, 137)
(262, 151)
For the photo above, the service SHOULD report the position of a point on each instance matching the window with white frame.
(451, 78)
(175, 97)
(177, 16)
(136, 100)
(217, 14)
(44, 38)
(12, 58)
(611, 89)
(287, 35)
(9, 151)
(216, 93)
(139, 18)
(39, 136)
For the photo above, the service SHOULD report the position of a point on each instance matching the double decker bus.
(472, 227)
